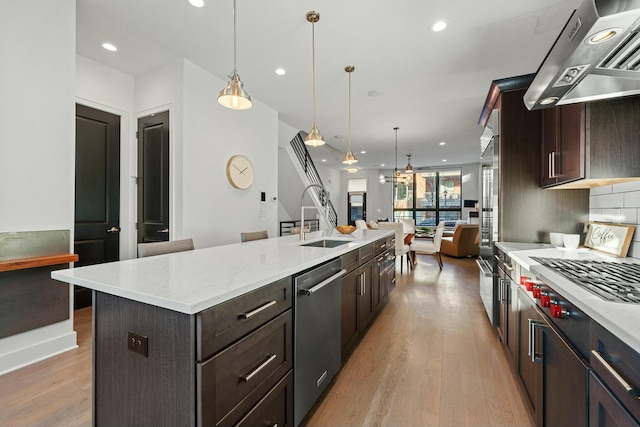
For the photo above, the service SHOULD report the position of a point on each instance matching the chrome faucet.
(324, 200)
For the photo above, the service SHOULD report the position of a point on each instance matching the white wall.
(106, 89)
(619, 204)
(37, 142)
(214, 212)
(37, 129)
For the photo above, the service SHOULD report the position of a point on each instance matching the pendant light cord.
(313, 68)
(235, 42)
(349, 111)
(396, 169)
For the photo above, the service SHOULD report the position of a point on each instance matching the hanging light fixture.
(409, 168)
(233, 95)
(314, 138)
(349, 158)
(352, 169)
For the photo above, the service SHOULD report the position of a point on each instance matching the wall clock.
(239, 171)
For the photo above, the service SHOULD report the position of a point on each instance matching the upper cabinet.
(562, 145)
(590, 145)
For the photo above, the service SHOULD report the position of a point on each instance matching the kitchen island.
(201, 337)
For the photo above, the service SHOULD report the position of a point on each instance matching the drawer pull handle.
(256, 311)
(628, 388)
(322, 284)
(253, 373)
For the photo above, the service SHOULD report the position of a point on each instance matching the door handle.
(113, 229)
(166, 230)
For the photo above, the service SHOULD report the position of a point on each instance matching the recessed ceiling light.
(439, 26)
(324, 160)
(381, 165)
(281, 71)
(363, 152)
(443, 143)
(444, 160)
(109, 47)
(196, 3)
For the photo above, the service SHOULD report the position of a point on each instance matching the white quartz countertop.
(621, 319)
(192, 281)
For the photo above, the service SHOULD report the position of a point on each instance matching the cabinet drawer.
(234, 380)
(223, 324)
(365, 253)
(275, 409)
(380, 246)
(349, 260)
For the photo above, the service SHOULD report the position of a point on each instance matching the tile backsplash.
(619, 204)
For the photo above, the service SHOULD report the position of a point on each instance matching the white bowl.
(571, 241)
(556, 239)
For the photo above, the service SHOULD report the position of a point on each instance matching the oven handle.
(322, 284)
(632, 391)
(484, 267)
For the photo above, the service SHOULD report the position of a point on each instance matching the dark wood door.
(350, 333)
(565, 383)
(605, 410)
(530, 372)
(97, 191)
(153, 178)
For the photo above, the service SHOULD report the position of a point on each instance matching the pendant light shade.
(409, 168)
(352, 169)
(349, 158)
(233, 95)
(314, 139)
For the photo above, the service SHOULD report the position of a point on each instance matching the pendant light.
(396, 172)
(349, 158)
(409, 168)
(233, 95)
(314, 138)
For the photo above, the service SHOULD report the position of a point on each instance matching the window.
(429, 197)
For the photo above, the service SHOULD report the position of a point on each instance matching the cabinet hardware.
(381, 258)
(113, 230)
(253, 373)
(256, 311)
(632, 391)
(324, 283)
(166, 230)
(364, 283)
(531, 349)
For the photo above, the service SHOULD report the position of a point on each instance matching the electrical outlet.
(138, 343)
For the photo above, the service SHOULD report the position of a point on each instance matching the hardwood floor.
(54, 392)
(430, 359)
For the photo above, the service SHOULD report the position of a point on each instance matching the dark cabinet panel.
(224, 323)
(365, 296)
(350, 331)
(614, 137)
(275, 409)
(563, 144)
(604, 409)
(234, 380)
(530, 371)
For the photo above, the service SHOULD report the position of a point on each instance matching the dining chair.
(159, 248)
(402, 249)
(420, 246)
(248, 236)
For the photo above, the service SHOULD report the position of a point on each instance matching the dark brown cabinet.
(228, 365)
(562, 144)
(614, 397)
(365, 290)
(586, 145)
(552, 373)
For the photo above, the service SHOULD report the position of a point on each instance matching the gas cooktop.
(609, 280)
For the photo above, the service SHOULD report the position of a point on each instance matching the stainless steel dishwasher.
(317, 329)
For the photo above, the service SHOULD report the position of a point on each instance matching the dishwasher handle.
(322, 284)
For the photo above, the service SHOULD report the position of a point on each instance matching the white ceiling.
(431, 85)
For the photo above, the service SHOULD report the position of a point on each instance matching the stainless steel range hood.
(596, 56)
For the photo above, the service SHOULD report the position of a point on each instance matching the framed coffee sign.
(609, 238)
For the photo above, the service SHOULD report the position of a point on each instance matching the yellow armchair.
(464, 242)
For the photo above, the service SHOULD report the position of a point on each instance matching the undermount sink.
(326, 243)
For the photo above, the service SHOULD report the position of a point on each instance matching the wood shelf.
(39, 261)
